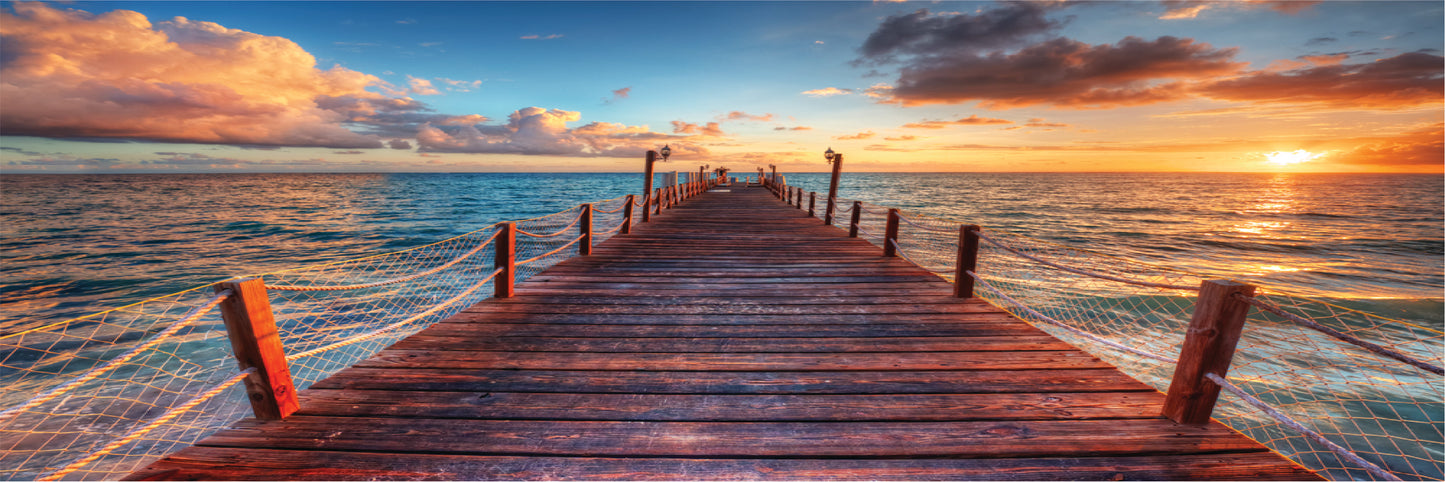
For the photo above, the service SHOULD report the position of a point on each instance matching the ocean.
(72, 245)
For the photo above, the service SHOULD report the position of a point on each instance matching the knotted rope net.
(1368, 387)
(100, 396)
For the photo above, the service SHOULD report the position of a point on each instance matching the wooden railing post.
(857, 216)
(833, 191)
(890, 234)
(799, 198)
(627, 215)
(584, 247)
(647, 185)
(1208, 347)
(506, 261)
(812, 201)
(251, 326)
(967, 261)
(658, 196)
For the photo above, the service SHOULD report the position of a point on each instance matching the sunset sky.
(1239, 86)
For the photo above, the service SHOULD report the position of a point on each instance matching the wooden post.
(658, 195)
(252, 329)
(967, 261)
(833, 191)
(506, 261)
(1208, 348)
(812, 201)
(584, 247)
(890, 234)
(647, 196)
(857, 214)
(627, 215)
(799, 198)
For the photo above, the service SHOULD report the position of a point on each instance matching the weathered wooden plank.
(997, 318)
(663, 407)
(732, 331)
(199, 463)
(895, 308)
(731, 440)
(663, 381)
(731, 345)
(1024, 360)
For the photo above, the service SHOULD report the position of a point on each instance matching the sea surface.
(72, 245)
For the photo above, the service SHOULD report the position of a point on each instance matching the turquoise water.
(71, 245)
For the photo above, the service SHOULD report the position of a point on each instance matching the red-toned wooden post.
(647, 185)
(627, 215)
(251, 326)
(812, 201)
(799, 198)
(833, 191)
(890, 234)
(967, 261)
(857, 216)
(506, 261)
(1208, 347)
(584, 247)
(658, 197)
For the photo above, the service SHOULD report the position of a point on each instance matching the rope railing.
(121, 359)
(1373, 348)
(62, 383)
(1373, 469)
(558, 232)
(1066, 326)
(403, 279)
(1084, 272)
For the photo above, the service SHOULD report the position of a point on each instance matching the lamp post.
(837, 161)
(774, 179)
(700, 181)
(647, 181)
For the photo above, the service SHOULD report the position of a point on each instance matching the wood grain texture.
(730, 337)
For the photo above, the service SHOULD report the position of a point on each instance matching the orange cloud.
(421, 86)
(540, 131)
(70, 73)
(972, 120)
(1065, 73)
(856, 137)
(1425, 147)
(827, 92)
(796, 128)
(711, 129)
(1406, 80)
(744, 116)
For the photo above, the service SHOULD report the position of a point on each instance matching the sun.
(1283, 158)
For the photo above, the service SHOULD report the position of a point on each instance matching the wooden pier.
(733, 337)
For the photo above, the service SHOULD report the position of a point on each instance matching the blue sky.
(1215, 96)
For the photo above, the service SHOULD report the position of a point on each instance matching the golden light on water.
(1283, 158)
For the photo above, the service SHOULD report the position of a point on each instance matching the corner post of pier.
(251, 326)
(1209, 344)
(833, 191)
(857, 216)
(647, 185)
(890, 234)
(506, 261)
(967, 261)
(584, 247)
(812, 201)
(627, 214)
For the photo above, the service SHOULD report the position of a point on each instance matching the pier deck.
(734, 338)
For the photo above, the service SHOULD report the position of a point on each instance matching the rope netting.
(103, 395)
(1367, 386)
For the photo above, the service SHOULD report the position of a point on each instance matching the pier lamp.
(666, 151)
(836, 160)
